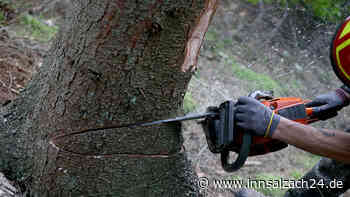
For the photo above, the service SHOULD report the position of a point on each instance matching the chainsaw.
(224, 137)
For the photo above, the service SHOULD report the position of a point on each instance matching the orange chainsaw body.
(293, 107)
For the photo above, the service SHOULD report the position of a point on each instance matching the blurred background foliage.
(328, 10)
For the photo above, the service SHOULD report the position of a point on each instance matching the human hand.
(327, 105)
(254, 117)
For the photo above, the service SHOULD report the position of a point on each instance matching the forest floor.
(247, 47)
(259, 47)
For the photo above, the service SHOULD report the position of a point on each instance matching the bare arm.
(329, 143)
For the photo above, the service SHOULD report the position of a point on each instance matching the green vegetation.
(257, 1)
(308, 160)
(256, 80)
(311, 160)
(189, 103)
(2, 17)
(274, 189)
(216, 43)
(5, 1)
(296, 174)
(295, 84)
(323, 9)
(37, 29)
(326, 9)
(262, 81)
(211, 36)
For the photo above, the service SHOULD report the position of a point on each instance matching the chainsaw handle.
(317, 114)
(245, 149)
(309, 111)
(242, 156)
(312, 113)
(291, 108)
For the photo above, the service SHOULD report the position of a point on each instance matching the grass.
(217, 44)
(211, 36)
(322, 9)
(296, 174)
(257, 1)
(310, 160)
(37, 29)
(294, 84)
(307, 160)
(256, 80)
(189, 104)
(2, 17)
(275, 190)
(7, 3)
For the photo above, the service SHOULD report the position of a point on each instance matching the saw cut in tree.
(112, 62)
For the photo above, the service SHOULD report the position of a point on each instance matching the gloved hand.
(327, 105)
(252, 116)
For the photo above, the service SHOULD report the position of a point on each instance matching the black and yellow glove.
(254, 117)
(327, 105)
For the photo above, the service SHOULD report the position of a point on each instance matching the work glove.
(252, 116)
(327, 105)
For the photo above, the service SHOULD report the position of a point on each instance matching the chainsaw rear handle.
(242, 155)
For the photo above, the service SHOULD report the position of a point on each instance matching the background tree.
(113, 62)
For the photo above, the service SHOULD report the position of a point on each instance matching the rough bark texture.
(114, 62)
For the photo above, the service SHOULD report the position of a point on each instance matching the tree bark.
(114, 62)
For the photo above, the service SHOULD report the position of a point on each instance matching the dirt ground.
(260, 47)
(248, 47)
(21, 54)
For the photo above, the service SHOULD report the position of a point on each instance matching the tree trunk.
(114, 62)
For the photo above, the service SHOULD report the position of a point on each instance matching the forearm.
(329, 143)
